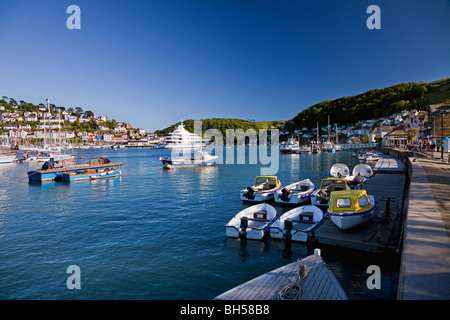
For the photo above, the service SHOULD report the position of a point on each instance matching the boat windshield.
(266, 182)
(335, 184)
(343, 203)
(363, 201)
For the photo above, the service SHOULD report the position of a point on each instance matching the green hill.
(372, 104)
(224, 123)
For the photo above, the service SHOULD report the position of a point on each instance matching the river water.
(152, 233)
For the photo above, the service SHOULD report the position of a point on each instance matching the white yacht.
(181, 138)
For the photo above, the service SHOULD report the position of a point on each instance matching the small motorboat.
(361, 173)
(263, 189)
(295, 224)
(196, 159)
(92, 174)
(349, 209)
(321, 196)
(295, 193)
(8, 158)
(252, 223)
(339, 170)
(54, 169)
(371, 156)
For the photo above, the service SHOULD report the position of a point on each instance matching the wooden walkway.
(380, 234)
(317, 282)
(388, 164)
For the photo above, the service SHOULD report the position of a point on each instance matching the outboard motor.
(284, 195)
(48, 165)
(249, 193)
(243, 228)
(322, 197)
(288, 226)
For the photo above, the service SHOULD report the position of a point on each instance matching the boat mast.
(329, 128)
(317, 133)
(49, 121)
(336, 134)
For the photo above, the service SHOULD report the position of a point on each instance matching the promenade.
(425, 266)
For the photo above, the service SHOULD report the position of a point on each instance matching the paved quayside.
(425, 267)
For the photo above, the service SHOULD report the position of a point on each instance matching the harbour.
(117, 220)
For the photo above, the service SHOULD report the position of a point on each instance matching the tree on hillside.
(412, 133)
(88, 113)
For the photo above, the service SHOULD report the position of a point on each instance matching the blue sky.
(152, 63)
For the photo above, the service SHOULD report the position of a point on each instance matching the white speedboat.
(361, 172)
(339, 170)
(321, 196)
(371, 156)
(296, 223)
(252, 223)
(197, 158)
(8, 158)
(349, 209)
(295, 193)
(263, 189)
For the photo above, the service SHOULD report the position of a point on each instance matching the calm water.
(152, 234)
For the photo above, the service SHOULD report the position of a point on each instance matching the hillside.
(224, 123)
(372, 104)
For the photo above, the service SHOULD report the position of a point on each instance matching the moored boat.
(339, 170)
(181, 138)
(349, 209)
(361, 172)
(263, 189)
(197, 158)
(295, 193)
(321, 196)
(297, 223)
(54, 169)
(371, 156)
(252, 223)
(8, 158)
(289, 146)
(92, 174)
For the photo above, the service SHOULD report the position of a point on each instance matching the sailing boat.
(51, 150)
(315, 148)
(328, 145)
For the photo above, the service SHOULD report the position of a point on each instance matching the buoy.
(81, 158)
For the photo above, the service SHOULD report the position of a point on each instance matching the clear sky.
(152, 63)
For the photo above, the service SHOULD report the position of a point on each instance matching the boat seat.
(305, 217)
(260, 215)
